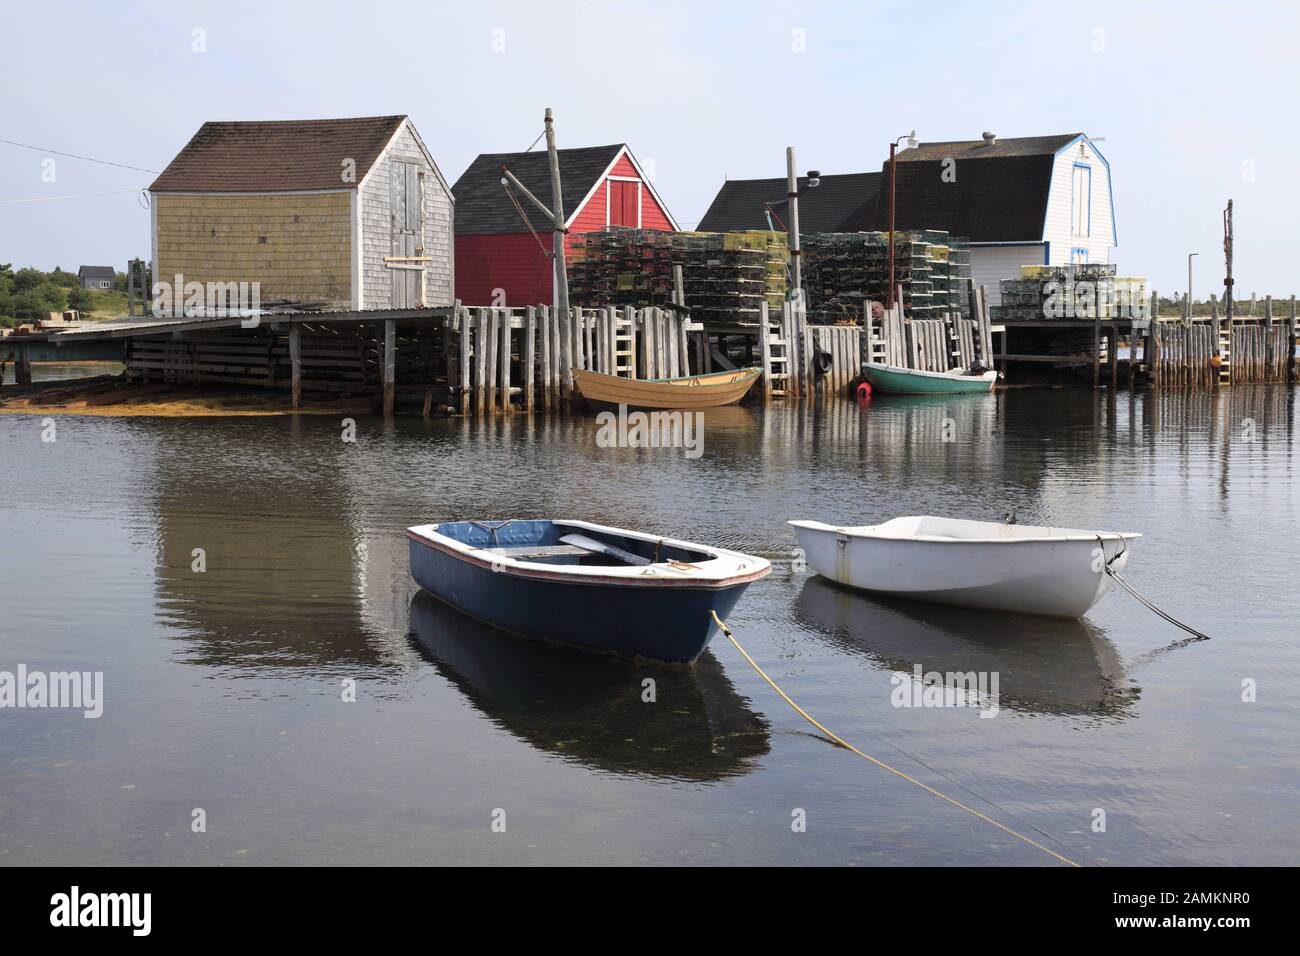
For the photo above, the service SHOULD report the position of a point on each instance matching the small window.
(1081, 201)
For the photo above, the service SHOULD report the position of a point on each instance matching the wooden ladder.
(776, 356)
(623, 350)
(1225, 353)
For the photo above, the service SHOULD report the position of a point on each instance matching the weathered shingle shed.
(499, 260)
(1037, 200)
(338, 213)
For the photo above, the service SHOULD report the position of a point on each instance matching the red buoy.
(864, 391)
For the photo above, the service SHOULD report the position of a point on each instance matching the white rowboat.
(1005, 567)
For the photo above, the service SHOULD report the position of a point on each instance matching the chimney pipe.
(990, 138)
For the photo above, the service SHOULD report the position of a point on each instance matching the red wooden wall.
(513, 262)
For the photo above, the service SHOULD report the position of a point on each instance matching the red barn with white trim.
(500, 260)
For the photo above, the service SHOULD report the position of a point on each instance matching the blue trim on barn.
(1088, 233)
(1110, 185)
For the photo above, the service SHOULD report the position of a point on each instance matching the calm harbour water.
(223, 688)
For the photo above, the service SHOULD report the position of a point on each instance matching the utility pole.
(893, 192)
(792, 194)
(893, 178)
(1227, 261)
(557, 250)
(1189, 284)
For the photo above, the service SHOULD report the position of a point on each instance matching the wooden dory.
(583, 584)
(1004, 567)
(891, 380)
(688, 391)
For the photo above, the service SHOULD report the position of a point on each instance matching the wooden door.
(625, 203)
(408, 231)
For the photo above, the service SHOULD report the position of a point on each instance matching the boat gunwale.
(751, 371)
(728, 575)
(861, 532)
(948, 376)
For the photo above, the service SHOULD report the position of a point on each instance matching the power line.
(89, 159)
(116, 192)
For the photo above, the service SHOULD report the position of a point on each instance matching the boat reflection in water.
(1045, 665)
(588, 708)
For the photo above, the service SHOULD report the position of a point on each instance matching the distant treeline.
(28, 294)
(1240, 306)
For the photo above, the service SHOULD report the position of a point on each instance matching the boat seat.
(537, 551)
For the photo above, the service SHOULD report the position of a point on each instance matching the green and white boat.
(891, 380)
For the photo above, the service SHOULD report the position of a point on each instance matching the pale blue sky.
(1185, 95)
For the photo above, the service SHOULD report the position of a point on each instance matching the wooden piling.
(530, 358)
(295, 363)
(765, 349)
(547, 380)
(480, 362)
(390, 367)
(462, 317)
(503, 356)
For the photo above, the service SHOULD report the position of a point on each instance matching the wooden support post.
(683, 346)
(295, 363)
(1096, 352)
(493, 339)
(390, 367)
(647, 343)
(674, 338)
(480, 362)
(547, 382)
(1112, 354)
(1291, 342)
(462, 317)
(765, 347)
(503, 357)
(530, 358)
(1269, 357)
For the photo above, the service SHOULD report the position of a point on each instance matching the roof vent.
(990, 138)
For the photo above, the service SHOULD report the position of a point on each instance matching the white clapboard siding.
(989, 265)
(1059, 226)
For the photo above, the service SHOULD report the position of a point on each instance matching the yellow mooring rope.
(840, 741)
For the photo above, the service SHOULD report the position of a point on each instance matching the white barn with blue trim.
(1041, 200)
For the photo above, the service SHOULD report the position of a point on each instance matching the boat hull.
(902, 381)
(671, 624)
(713, 390)
(1059, 578)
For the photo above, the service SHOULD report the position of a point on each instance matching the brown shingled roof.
(278, 155)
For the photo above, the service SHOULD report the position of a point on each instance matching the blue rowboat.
(891, 380)
(583, 585)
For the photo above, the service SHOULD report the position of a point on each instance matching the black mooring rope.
(1134, 591)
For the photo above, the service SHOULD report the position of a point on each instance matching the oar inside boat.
(597, 547)
(584, 584)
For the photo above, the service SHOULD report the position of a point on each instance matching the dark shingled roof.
(991, 200)
(978, 149)
(837, 204)
(96, 272)
(278, 155)
(999, 194)
(484, 208)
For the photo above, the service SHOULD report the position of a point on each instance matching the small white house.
(1040, 200)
